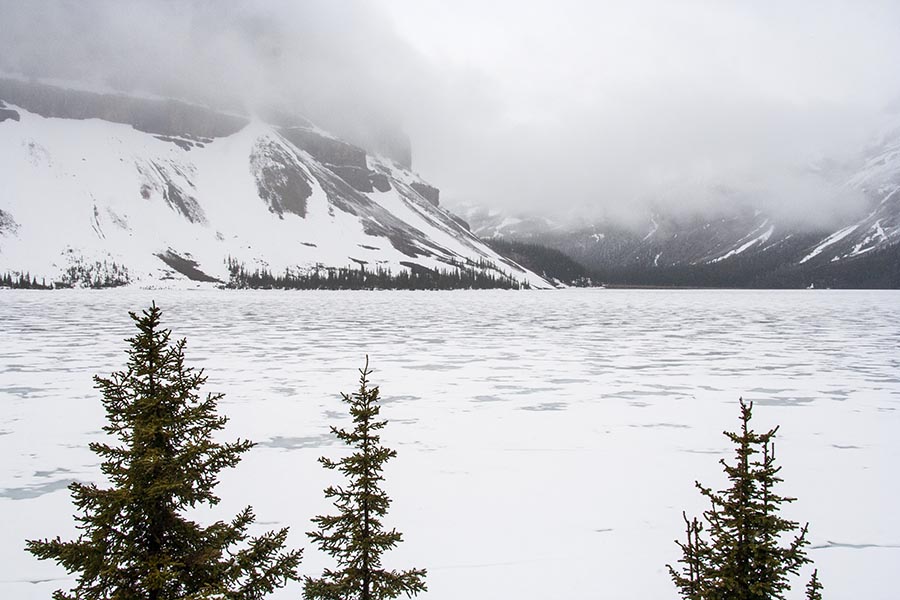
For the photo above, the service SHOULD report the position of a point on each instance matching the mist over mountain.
(567, 109)
(103, 190)
(614, 119)
(740, 248)
(310, 59)
(615, 111)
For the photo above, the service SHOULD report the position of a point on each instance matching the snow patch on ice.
(506, 408)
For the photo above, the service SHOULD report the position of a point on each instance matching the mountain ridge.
(747, 248)
(172, 192)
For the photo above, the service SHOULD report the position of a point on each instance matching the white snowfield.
(878, 177)
(86, 191)
(548, 442)
(756, 238)
(832, 239)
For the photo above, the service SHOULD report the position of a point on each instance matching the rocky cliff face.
(431, 194)
(168, 192)
(163, 117)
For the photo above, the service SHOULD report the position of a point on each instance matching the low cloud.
(567, 108)
(340, 64)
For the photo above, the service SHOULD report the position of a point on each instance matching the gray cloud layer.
(327, 60)
(618, 107)
(566, 107)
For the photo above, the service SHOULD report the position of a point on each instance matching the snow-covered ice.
(548, 441)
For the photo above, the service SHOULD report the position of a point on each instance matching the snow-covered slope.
(168, 192)
(879, 179)
(747, 247)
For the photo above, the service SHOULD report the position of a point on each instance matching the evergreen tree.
(696, 555)
(746, 556)
(136, 543)
(482, 274)
(356, 536)
(814, 588)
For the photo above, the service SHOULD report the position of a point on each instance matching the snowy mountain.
(101, 186)
(747, 248)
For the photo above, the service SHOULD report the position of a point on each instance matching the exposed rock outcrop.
(326, 150)
(7, 223)
(432, 194)
(380, 182)
(280, 181)
(180, 203)
(168, 117)
(7, 113)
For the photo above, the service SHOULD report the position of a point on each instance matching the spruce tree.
(356, 537)
(814, 588)
(744, 554)
(136, 542)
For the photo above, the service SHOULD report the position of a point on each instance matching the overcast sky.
(567, 107)
(608, 106)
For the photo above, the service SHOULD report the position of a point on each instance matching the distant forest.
(23, 281)
(875, 270)
(549, 263)
(481, 275)
(94, 275)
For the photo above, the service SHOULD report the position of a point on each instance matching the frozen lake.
(548, 441)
